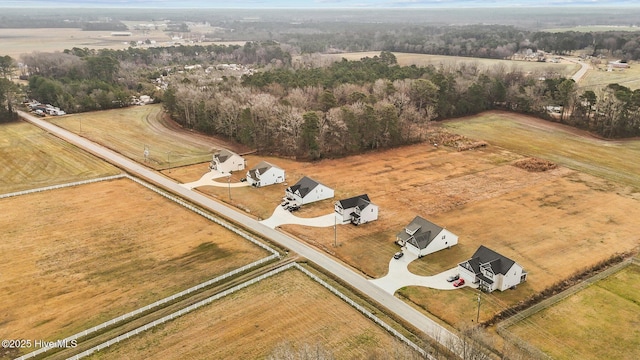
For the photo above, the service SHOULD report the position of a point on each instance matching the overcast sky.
(248, 4)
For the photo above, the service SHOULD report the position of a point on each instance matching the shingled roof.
(360, 201)
(499, 264)
(423, 231)
(303, 186)
(223, 155)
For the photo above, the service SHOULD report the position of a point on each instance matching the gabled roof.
(484, 256)
(360, 200)
(262, 167)
(303, 186)
(423, 231)
(223, 155)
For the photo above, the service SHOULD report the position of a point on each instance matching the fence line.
(153, 305)
(242, 286)
(61, 186)
(226, 225)
(502, 326)
(181, 312)
(206, 215)
(364, 311)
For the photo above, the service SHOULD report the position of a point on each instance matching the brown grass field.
(293, 310)
(76, 257)
(16, 42)
(130, 130)
(603, 320)
(554, 223)
(32, 158)
(407, 59)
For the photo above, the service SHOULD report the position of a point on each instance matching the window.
(444, 236)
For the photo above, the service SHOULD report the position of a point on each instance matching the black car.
(293, 208)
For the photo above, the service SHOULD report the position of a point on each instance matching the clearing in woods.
(602, 320)
(553, 223)
(32, 158)
(90, 253)
(293, 310)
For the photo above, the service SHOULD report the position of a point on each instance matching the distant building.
(265, 174)
(357, 210)
(423, 237)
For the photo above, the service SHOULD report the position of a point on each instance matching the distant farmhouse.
(265, 174)
(307, 190)
(357, 210)
(492, 271)
(423, 237)
(226, 161)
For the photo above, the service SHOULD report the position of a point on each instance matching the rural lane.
(337, 269)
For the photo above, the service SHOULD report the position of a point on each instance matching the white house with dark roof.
(307, 190)
(491, 271)
(226, 161)
(423, 237)
(357, 210)
(265, 174)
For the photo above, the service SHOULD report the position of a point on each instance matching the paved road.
(584, 67)
(351, 277)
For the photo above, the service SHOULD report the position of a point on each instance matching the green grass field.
(611, 160)
(598, 79)
(603, 320)
(131, 130)
(32, 158)
(407, 59)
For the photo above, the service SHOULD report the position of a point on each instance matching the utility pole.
(229, 182)
(478, 316)
(335, 231)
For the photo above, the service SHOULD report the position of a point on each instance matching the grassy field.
(32, 158)
(130, 130)
(603, 320)
(611, 160)
(76, 257)
(553, 223)
(293, 310)
(597, 79)
(407, 59)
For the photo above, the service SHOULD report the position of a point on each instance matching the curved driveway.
(281, 216)
(399, 276)
(341, 271)
(208, 179)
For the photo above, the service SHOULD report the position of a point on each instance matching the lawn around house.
(90, 253)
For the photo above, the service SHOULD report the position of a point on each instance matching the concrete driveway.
(399, 276)
(208, 179)
(281, 216)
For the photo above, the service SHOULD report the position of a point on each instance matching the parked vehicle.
(458, 283)
(398, 255)
(453, 278)
(293, 208)
(243, 180)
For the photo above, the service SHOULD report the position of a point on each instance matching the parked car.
(293, 208)
(243, 179)
(458, 283)
(453, 278)
(284, 204)
(398, 255)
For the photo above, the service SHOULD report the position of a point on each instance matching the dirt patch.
(535, 165)
(439, 136)
(94, 252)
